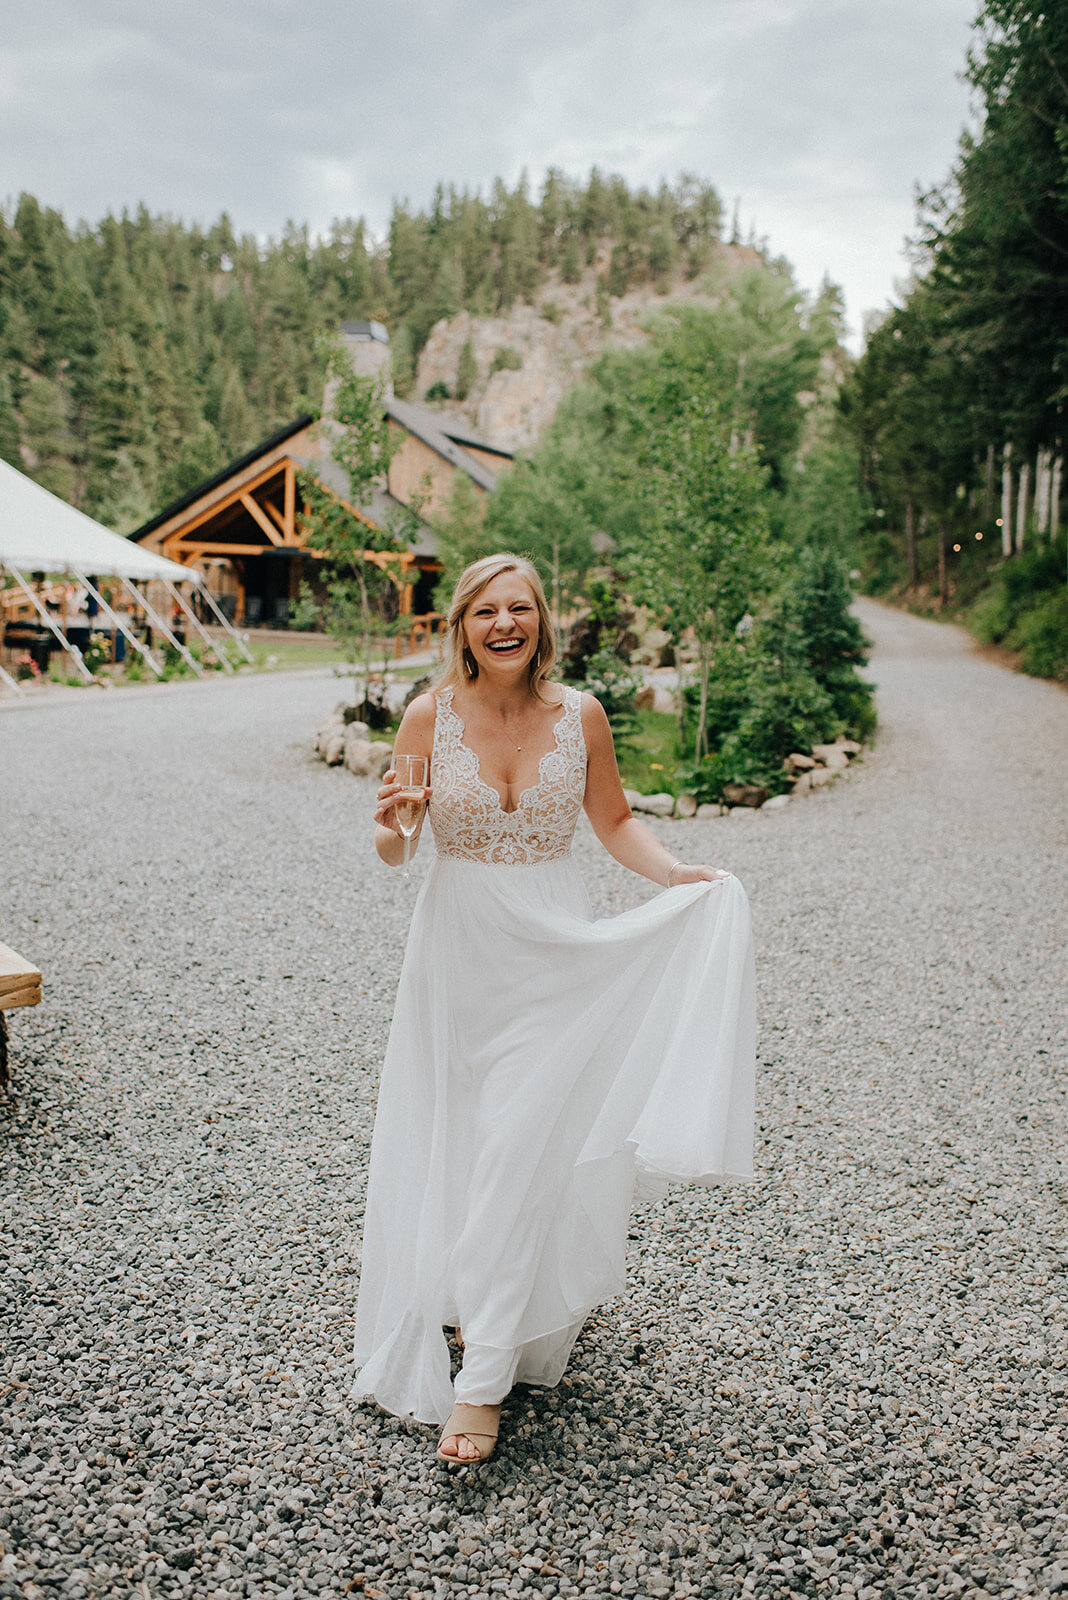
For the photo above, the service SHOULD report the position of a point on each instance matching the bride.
(543, 1067)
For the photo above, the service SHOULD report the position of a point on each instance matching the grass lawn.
(275, 653)
(647, 762)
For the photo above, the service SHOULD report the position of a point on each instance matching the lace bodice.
(466, 814)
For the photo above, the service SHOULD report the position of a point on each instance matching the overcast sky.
(820, 116)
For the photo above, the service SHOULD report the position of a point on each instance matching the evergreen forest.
(140, 355)
(957, 404)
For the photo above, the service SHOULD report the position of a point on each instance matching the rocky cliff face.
(553, 341)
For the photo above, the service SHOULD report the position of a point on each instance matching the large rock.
(704, 812)
(832, 755)
(778, 802)
(368, 758)
(822, 776)
(745, 794)
(686, 805)
(357, 735)
(850, 746)
(325, 730)
(656, 805)
(332, 747)
(799, 762)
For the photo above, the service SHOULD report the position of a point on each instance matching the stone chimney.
(367, 346)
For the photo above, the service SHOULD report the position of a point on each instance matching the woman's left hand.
(682, 873)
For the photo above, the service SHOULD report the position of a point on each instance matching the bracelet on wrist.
(671, 869)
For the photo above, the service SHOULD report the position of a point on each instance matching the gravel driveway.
(848, 1378)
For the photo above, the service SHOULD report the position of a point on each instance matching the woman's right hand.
(389, 789)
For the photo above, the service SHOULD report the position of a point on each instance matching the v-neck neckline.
(491, 789)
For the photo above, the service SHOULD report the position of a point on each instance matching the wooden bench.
(20, 985)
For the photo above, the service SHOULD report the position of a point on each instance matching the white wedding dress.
(542, 1068)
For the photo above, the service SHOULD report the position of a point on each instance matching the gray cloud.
(821, 115)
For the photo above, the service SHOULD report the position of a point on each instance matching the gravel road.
(849, 1378)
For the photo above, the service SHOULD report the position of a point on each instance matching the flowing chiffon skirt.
(543, 1068)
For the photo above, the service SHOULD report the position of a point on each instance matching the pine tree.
(236, 427)
(49, 445)
(466, 371)
(10, 450)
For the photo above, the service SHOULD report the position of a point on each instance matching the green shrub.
(506, 360)
(439, 391)
(97, 652)
(1042, 638)
(615, 685)
(991, 617)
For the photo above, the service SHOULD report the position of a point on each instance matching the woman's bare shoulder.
(419, 717)
(593, 713)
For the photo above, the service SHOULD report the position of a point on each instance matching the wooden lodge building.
(241, 528)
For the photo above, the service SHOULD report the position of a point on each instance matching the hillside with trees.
(139, 355)
(958, 402)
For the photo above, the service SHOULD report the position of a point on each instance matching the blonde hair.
(459, 667)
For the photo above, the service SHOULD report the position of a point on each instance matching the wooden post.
(1023, 504)
(1006, 502)
(291, 504)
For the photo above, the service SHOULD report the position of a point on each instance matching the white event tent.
(41, 533)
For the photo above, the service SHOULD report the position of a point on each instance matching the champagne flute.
(412, 774)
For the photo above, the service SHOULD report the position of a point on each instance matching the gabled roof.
(250, 456)
(380, 505)
(445, 435)
(437, 432)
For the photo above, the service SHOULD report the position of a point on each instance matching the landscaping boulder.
(323, 732)
(799, 763)
(821, 776)
(778, 802)
(656, 805)
(745, 794)
(366, 757)
(686, 805)
(709, 810)
(332, 747)
(831, 755)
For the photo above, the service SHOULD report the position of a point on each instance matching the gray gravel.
(847, 1379)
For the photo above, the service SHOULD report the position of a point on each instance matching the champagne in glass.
(412, 774)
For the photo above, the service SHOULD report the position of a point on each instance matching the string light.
(956, 547)
(978, 536)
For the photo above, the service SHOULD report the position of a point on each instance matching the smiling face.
(502, 625)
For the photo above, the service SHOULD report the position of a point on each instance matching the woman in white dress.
(543, 1067)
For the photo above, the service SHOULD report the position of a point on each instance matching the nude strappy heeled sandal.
(475, 1424)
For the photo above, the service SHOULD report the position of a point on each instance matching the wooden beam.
(269, 506)
(250, 479)
(257, 513)
(226, 498)
(291, 504)
(209, 547)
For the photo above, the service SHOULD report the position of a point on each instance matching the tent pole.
(117, 620)
(221, 655)
(206, 594)
(11, 682)
(71, 649)
(158, 622)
